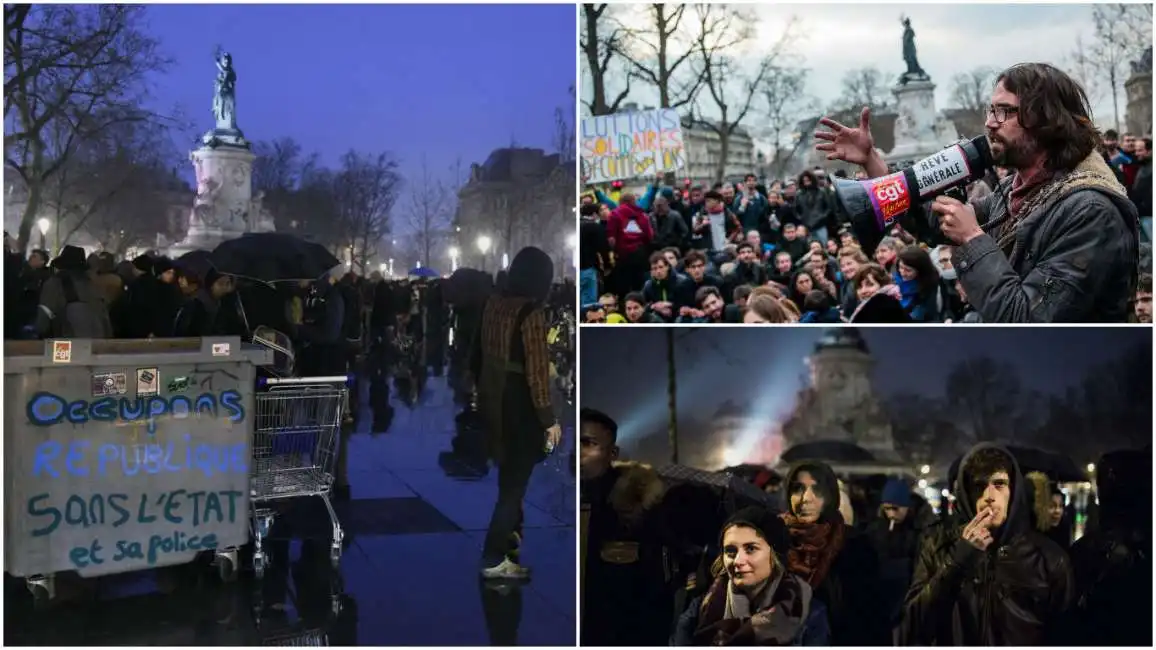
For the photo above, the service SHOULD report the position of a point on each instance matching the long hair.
(1054, 111)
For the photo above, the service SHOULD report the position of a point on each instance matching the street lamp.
(454, 258)
(43, 224)
(484, 244)
(391, 267)
(381, 268)
(505, 260)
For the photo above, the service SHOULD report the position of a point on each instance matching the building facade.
(518, 197)
(704, 151)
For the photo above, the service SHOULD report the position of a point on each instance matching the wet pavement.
(414, 523)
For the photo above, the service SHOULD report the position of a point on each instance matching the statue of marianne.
(225, 95)
(914, 71)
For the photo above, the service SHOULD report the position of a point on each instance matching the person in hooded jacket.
(1113, 563)
(895, 538)
(511, 369)
(833, 558)
(988, 578)
(754, 597)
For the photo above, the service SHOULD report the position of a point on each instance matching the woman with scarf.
(753, 599)
(832, 557)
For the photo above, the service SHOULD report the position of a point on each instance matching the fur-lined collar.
(637, 489)
(1091, 174)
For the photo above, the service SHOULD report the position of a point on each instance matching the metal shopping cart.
(295, 437)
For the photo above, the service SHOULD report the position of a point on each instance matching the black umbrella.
(273, 257)
(195, 264)
(738, 492)
(468, 286)
(1057, 467)
(705, 499)
(834, 451)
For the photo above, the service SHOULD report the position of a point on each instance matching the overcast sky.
(950, 39)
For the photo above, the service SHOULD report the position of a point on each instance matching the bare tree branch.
(864, 87)
(430, 213)
(720, 29)
(655, 55)
(787, 103)
(76, 69)
(599, 50)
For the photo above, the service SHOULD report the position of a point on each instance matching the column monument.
(224, 207)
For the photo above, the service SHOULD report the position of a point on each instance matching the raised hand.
(849, 144)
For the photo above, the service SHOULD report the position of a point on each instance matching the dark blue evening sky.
(440, 80)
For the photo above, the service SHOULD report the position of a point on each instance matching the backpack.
(84, 320)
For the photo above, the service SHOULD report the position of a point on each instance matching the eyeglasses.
(1001, 113)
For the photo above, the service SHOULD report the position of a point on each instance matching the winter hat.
(162, 264)
(143, 263)
(770, 527)
(667, 193)
(71, 258)
(897, 493)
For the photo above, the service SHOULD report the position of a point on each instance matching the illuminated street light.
(454, 258)
(1091, 468)
(381, 268)
(926, 469)
(484, 244)
(43, 224)
(505, 260)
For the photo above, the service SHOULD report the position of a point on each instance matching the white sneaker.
(506, 570)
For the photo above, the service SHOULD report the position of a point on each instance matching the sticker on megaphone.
(890, 197)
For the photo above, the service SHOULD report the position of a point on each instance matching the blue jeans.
(587, 286)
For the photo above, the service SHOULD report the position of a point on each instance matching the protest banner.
(633, 144)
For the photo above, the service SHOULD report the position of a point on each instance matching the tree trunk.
(671, 396)
(597, 79)
(1115, 98)
(724, 141)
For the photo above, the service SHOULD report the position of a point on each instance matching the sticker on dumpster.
(62, 352)
(220, 349)
(109, 383)
(92, 502)
(148, 382)
(178, 384)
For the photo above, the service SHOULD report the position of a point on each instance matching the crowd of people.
(820, 559)
(393, 330)
(1059, 229)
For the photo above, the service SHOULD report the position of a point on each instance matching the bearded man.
(1058, 239)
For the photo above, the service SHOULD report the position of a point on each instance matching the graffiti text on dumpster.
(46, 409)
(81, 458)
(188, 510)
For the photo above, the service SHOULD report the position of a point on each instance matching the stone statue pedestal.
(1138, 114)
(224, 201)
(915, 132)
(840, 404)
(919, 129)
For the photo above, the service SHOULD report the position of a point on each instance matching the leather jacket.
(1008, 595)
(1014, 593)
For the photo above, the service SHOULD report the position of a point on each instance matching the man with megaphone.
(1056, 241)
